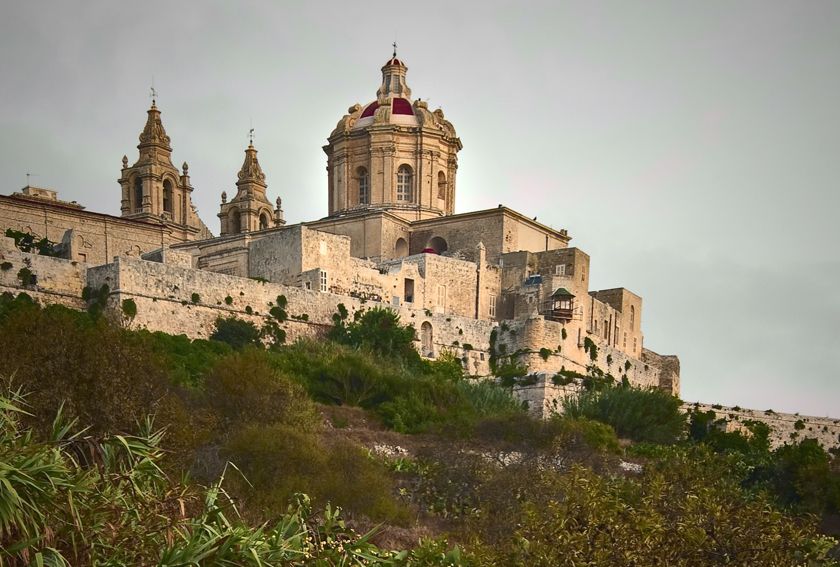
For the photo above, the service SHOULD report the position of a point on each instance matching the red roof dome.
(394, 61)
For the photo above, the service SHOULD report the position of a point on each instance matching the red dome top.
(398, 106)
(402, 106)
(371, 108)
(394, 61)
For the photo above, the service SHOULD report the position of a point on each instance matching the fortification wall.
(527, 337)
(785, 427)
(164, 298)
(56, 281)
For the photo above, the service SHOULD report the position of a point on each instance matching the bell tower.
(153, 189)
(250, 210)
(393, 154)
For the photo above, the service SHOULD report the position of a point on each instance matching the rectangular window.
(323, 281)
(492, 305)
(441, 296)
(409, 290)
(307, 285)
(560, 270)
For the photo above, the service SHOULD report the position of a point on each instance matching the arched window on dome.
(138, 194)
(441, 185)
(263, 220)
(364, 186)
(167, 196)
(404, 182)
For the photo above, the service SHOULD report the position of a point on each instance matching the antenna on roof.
(29, 175)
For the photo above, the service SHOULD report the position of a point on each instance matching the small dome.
(394, 61)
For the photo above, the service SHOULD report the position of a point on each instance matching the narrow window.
(307, 285)
(624, 345)
(441, 185)
(138, 194)
(167, 196)
(632, 317)
(404, 178)
(492, 305)
(409, 290)
(323, 281)
(635, 346)
(263, 221)
(364, 186)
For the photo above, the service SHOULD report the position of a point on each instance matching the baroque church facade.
(470, 283)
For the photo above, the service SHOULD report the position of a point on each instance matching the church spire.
(153, 133)
(251, 172)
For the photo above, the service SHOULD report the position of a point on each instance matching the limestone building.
(480, 284)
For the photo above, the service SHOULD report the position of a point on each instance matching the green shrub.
(195, 298)
(26, 276)
(244, 388)
(228, 300)
(129, 308)
(281, 301)
(650, 415)
(105, 376)
(278, 313)
(279, 461)
(26, 242)
(590, 347)
(379, 331)
(235, 332)
(6, 266)
(545, 353)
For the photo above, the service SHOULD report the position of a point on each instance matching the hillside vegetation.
(125, 447)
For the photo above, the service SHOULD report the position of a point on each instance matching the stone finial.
(185, 168)
(224, 197)
(279, 204)
(125, 162)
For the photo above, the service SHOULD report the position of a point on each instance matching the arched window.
(263, 221)
(404, 182)
(234, 221)
(437, 244)
(138, 194)
(441, 185)
(364, 186)
(167, 196)
(426, 340)
(400, 248)
(632, 317)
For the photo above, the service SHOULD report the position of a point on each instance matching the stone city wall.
(529, 336)
(56, 281)
(784, 427)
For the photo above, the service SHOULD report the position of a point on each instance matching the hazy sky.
(691, 148)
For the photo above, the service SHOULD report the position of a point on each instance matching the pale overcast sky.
(691, 148)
